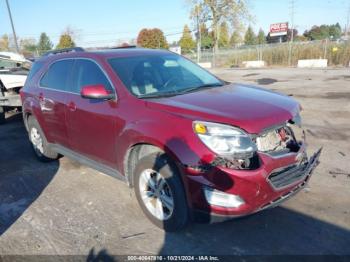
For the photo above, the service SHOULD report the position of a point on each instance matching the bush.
(338, 54)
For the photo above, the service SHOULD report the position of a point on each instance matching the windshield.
(161, 75)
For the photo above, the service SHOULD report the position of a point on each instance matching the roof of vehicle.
(104, 53)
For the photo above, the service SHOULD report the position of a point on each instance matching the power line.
(170, 29)
(89, 38)
(121, 39)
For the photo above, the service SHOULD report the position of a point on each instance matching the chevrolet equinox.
(191, 145)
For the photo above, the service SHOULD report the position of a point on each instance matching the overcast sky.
(102, 22)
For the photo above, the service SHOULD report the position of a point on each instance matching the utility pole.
(13, 27)
(347, 30)
(199, 33)
(292, 12)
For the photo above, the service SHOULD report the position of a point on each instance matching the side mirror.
(96, 92)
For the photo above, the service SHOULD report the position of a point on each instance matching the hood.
(12, 57)
(250, 108)
(12, 80)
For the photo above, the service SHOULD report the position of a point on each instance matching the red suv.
(190, 144)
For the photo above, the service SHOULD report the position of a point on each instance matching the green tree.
(323, 32)
(335, 31)
(236, 39)
(217, 11)
(186, 42)
(66, 41)
(224, 37)
(44, 44)
(4, 42)
(152, 38)
(207, 37)
(261, 39)
(250, 37)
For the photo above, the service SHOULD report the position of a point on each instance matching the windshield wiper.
(188, 90)
(175, 93)
(159, 95)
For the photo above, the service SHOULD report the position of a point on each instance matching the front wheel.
(160, 193)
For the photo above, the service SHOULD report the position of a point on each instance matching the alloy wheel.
(156, 194)
(36, 140)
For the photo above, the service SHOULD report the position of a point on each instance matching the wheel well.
(26, 116)
(134, 154)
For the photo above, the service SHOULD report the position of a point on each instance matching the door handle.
(41, 97)
(72, 107)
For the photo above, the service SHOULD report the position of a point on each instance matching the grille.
(288, 175)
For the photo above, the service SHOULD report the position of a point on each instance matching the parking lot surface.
(68, 209)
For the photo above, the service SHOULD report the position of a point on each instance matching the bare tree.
(234, 12)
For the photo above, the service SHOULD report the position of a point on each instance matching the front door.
(91, 124)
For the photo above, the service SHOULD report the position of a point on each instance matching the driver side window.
(87, 72)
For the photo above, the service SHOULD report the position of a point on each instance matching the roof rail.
(65, 50)
(124, 47)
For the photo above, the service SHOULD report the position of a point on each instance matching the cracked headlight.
(225, 140)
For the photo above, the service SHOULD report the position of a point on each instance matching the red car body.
(106, 132)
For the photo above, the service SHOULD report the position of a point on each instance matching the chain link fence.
(279, 54)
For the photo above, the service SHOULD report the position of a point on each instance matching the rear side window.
(33, 70)
(57, 76)
(87, 72)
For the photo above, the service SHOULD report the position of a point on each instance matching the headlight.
(225, 140)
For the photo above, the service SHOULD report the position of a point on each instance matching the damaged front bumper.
(278, 179)
(303, 175)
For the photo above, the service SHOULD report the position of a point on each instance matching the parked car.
(191, 145)
(14, 69)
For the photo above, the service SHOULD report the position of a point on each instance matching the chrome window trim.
(75, 59)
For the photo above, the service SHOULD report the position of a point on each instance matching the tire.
(39, 142)
(160, 192)
(2, 115)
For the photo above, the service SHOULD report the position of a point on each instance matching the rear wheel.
(160, 192)
(2, 115)
(39, 142)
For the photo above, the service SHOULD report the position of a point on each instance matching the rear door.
(91, 123)
(52, 97)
